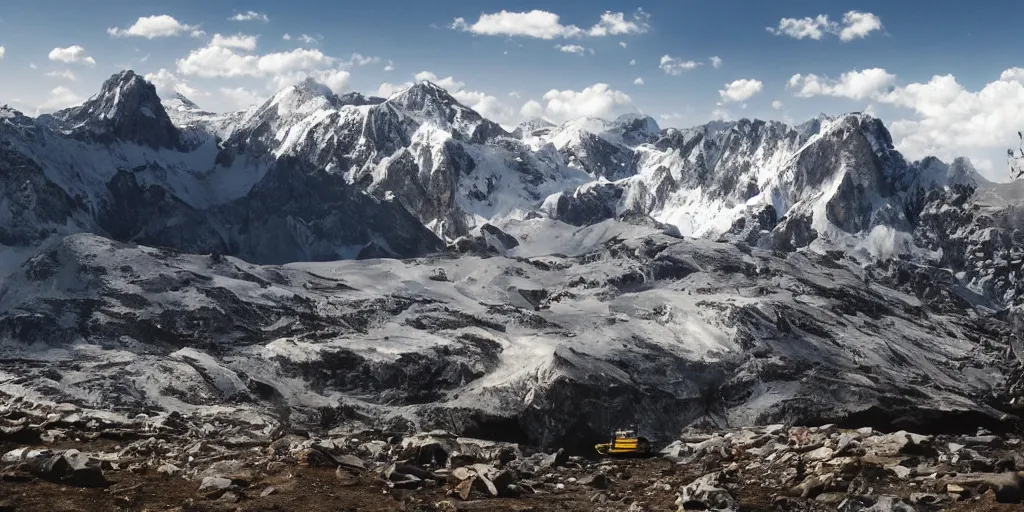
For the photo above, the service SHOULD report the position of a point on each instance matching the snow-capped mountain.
(830, 182)
(139, 243)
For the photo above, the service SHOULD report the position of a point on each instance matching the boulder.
(70, 467)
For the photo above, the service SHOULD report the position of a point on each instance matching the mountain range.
(162, 257)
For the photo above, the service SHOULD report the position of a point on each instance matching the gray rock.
(215, 483)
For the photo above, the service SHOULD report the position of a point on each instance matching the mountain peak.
(313, 87)
(127, 108)
(182, 100)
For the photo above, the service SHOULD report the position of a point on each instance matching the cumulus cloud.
(152, 27)
(547, 25)
(598, 100)
(390, 66)
(240, 97)
(571, 48)
(813, 28)
(220, 62)
(362, 60)
(72, 55)
(66, 75)
(239, 41)
(857, 85)
(716, 62)
(531, 109)
(3, 51)
(615, 23)
(638, 81)
(622, 44)
(449, 83)
(953, 121)
(632, 62)
(387, 89)
(167, 83)
(740, 90)
(675, 66)
(250, 16)
(855, 25)
(60, 97)
(777, 105)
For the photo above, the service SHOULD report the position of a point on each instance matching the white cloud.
(547, 25)
(514, 94)
(250, 16)
(777, 105)
(536, 23)
(60, 97)
(33, 65)
(632, 62)
(857, 85)
(216, 61)
(66, 75)
(813, 28)
(240, 97)
(858, 25)
(675, 66)
(571, 48)
(740, 90)
(305, 38)
(720, 114)
(953, 121)
(855, 25)
(239, 41)
(3, 51)
(638, 81)
(598, 100)
(152, 27)
(387, 89)
(622, 44)
(615, 23)
(390, 66)
(531, 109)
(362, 60)
(167, 83)
(72, 55)
(448, 83)
(716, 62)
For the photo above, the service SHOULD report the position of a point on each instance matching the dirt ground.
(316, 489)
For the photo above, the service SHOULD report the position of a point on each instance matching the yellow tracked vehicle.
(625, 442)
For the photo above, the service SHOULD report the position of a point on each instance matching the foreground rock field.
(63, 459)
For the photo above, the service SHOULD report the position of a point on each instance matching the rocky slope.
(159, 258)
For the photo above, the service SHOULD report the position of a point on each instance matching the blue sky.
(504, 58)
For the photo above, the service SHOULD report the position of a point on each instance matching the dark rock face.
(126, 109)
(590, 206)
(32, 207)
(793, 232)
(296, 213)
(505, 240)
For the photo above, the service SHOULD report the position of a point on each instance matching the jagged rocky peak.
(428, 102)
(635, 128)
(128, 109)
(356, 99)
(305, 96)
(180, 99)
(535, 127)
